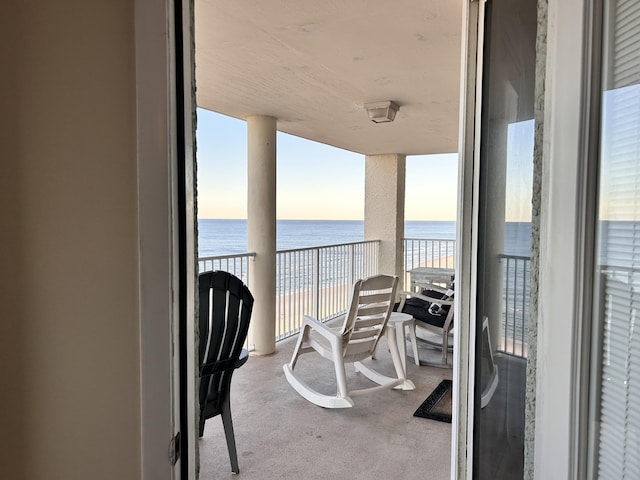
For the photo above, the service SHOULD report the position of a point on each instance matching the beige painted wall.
(69, 340)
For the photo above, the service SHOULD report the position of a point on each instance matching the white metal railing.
(515, 311)
(440, 253)
(309, 281)
(237, 265)
(317, 281)
(429, 252)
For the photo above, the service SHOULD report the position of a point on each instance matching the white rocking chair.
(355, 340)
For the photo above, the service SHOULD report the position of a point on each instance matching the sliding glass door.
(504, 238)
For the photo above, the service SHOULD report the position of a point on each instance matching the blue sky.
(314, 181)
(519, 181)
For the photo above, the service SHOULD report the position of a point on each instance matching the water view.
(224, 237)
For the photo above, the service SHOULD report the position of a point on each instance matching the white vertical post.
(315, 285)
(261, 230)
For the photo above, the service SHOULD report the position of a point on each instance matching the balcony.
(316, 281)
(281, 435)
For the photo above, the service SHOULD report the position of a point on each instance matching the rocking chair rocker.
(355, 340)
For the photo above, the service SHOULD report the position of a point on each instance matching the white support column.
(261, 230)
(384, 209)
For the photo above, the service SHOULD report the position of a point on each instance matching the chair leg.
(228, 433)
(414, 342)
(296, 351)
(201, 426)
(397, 363)
(445, 347)
(341, 376)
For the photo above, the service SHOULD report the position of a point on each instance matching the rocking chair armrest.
(426, 298)
(322, 328)
(448, 323)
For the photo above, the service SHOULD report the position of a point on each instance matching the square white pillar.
(384, 209)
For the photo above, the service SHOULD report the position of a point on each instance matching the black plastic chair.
(225, 311)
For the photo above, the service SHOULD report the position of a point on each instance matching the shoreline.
(292, 306)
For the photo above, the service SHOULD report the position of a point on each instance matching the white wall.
(69, 336)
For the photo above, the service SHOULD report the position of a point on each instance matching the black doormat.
(437, 406)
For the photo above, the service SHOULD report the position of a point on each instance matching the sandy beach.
(332, 299)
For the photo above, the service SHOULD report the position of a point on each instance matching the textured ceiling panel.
(312, 65)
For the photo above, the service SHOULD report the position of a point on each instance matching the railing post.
(505, 314)
(525, 295)
(515, 299)
(315, 283)
(350, 265)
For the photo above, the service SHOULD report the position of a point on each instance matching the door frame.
(467, 238)
(565, 216)
(166, 234)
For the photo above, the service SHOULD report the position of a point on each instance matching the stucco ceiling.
(313, 64)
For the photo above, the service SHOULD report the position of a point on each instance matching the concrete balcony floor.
(280, 435)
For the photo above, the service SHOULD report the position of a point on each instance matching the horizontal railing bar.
(514, 257)
(321, 247)
(226, 257)
(431, 239)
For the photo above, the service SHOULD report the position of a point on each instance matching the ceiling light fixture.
(380, 112)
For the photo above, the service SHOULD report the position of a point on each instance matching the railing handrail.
(430, 239)
(289, 250)
(514, 257)
(225, 257)
(319, 247)
(252, 254)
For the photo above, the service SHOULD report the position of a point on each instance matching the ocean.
(226, 237)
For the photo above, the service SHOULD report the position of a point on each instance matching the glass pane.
(506, 177)
(616, 451)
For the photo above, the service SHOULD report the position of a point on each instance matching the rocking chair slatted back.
(372, 303)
